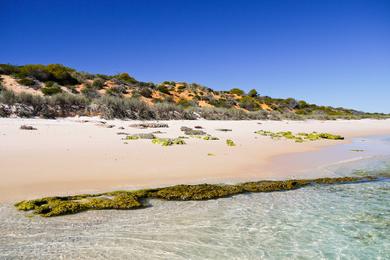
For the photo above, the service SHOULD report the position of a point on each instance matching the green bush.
(27, 82)
(163, 89)
(126, 77)
(98, 83)
(145, 92)
(249, 103)
(51, 88)
(8, 69)
(253, 93)
(89, 91)
(237, 91)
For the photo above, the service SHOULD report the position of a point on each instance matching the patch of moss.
(209, 137)
(230, 142)
(168, 141)
(205, 137)
(140, 136)
(300, 137)
(124, 200)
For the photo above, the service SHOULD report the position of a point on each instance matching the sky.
(325, 52)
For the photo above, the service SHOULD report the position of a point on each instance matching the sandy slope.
(68, 156)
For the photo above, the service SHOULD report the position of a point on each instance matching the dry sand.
(68, 156)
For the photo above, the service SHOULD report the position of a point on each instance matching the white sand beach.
(68, 156)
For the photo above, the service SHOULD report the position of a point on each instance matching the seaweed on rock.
(124, 200)
(300, 137)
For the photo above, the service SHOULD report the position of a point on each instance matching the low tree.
(237, 91)
(253, 93)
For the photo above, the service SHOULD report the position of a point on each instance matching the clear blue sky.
(326, 52)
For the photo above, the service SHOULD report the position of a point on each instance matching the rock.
(224, 129)
(190, 131)
(149, 125)
(27, 127)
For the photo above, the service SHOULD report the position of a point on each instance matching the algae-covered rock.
(230, 142)
(168, 141)
(190, 131)
(125, 200)
(300, 137)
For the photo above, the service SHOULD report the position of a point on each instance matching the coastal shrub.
(8, 97)
(222, 102)
(89, 91)
(114, 107)
(249, 103)
(253, 93)
(145, 92)
(98, 83)
(117, 90)
(237, 91)
(169, 111)
(27, 82)
(51, 88)
(66, 100)
(52, 72)
(8, 69)
(163, 89)
(126, 78)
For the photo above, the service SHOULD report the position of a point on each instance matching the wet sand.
(68, 156)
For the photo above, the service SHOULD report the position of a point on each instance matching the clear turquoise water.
(350, 221)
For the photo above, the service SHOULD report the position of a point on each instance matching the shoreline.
(93, 159)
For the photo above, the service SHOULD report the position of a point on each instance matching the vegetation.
(230, 142)
(252, 93)
(300, 137)
(122, 96)
(124, 200)
(168, 141)
(237, 91)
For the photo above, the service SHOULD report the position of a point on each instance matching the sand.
(68, 156)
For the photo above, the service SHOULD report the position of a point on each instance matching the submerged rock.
(57, 206)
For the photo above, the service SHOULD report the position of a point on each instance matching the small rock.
(27, 127)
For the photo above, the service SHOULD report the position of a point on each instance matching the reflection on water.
(350, 221)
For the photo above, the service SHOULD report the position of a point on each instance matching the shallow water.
(349, 221)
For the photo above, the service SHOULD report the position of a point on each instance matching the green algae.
(126, 200)
(205, 137)
(168, 141)
(140, 136)
(300, 137)
(230, 142)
